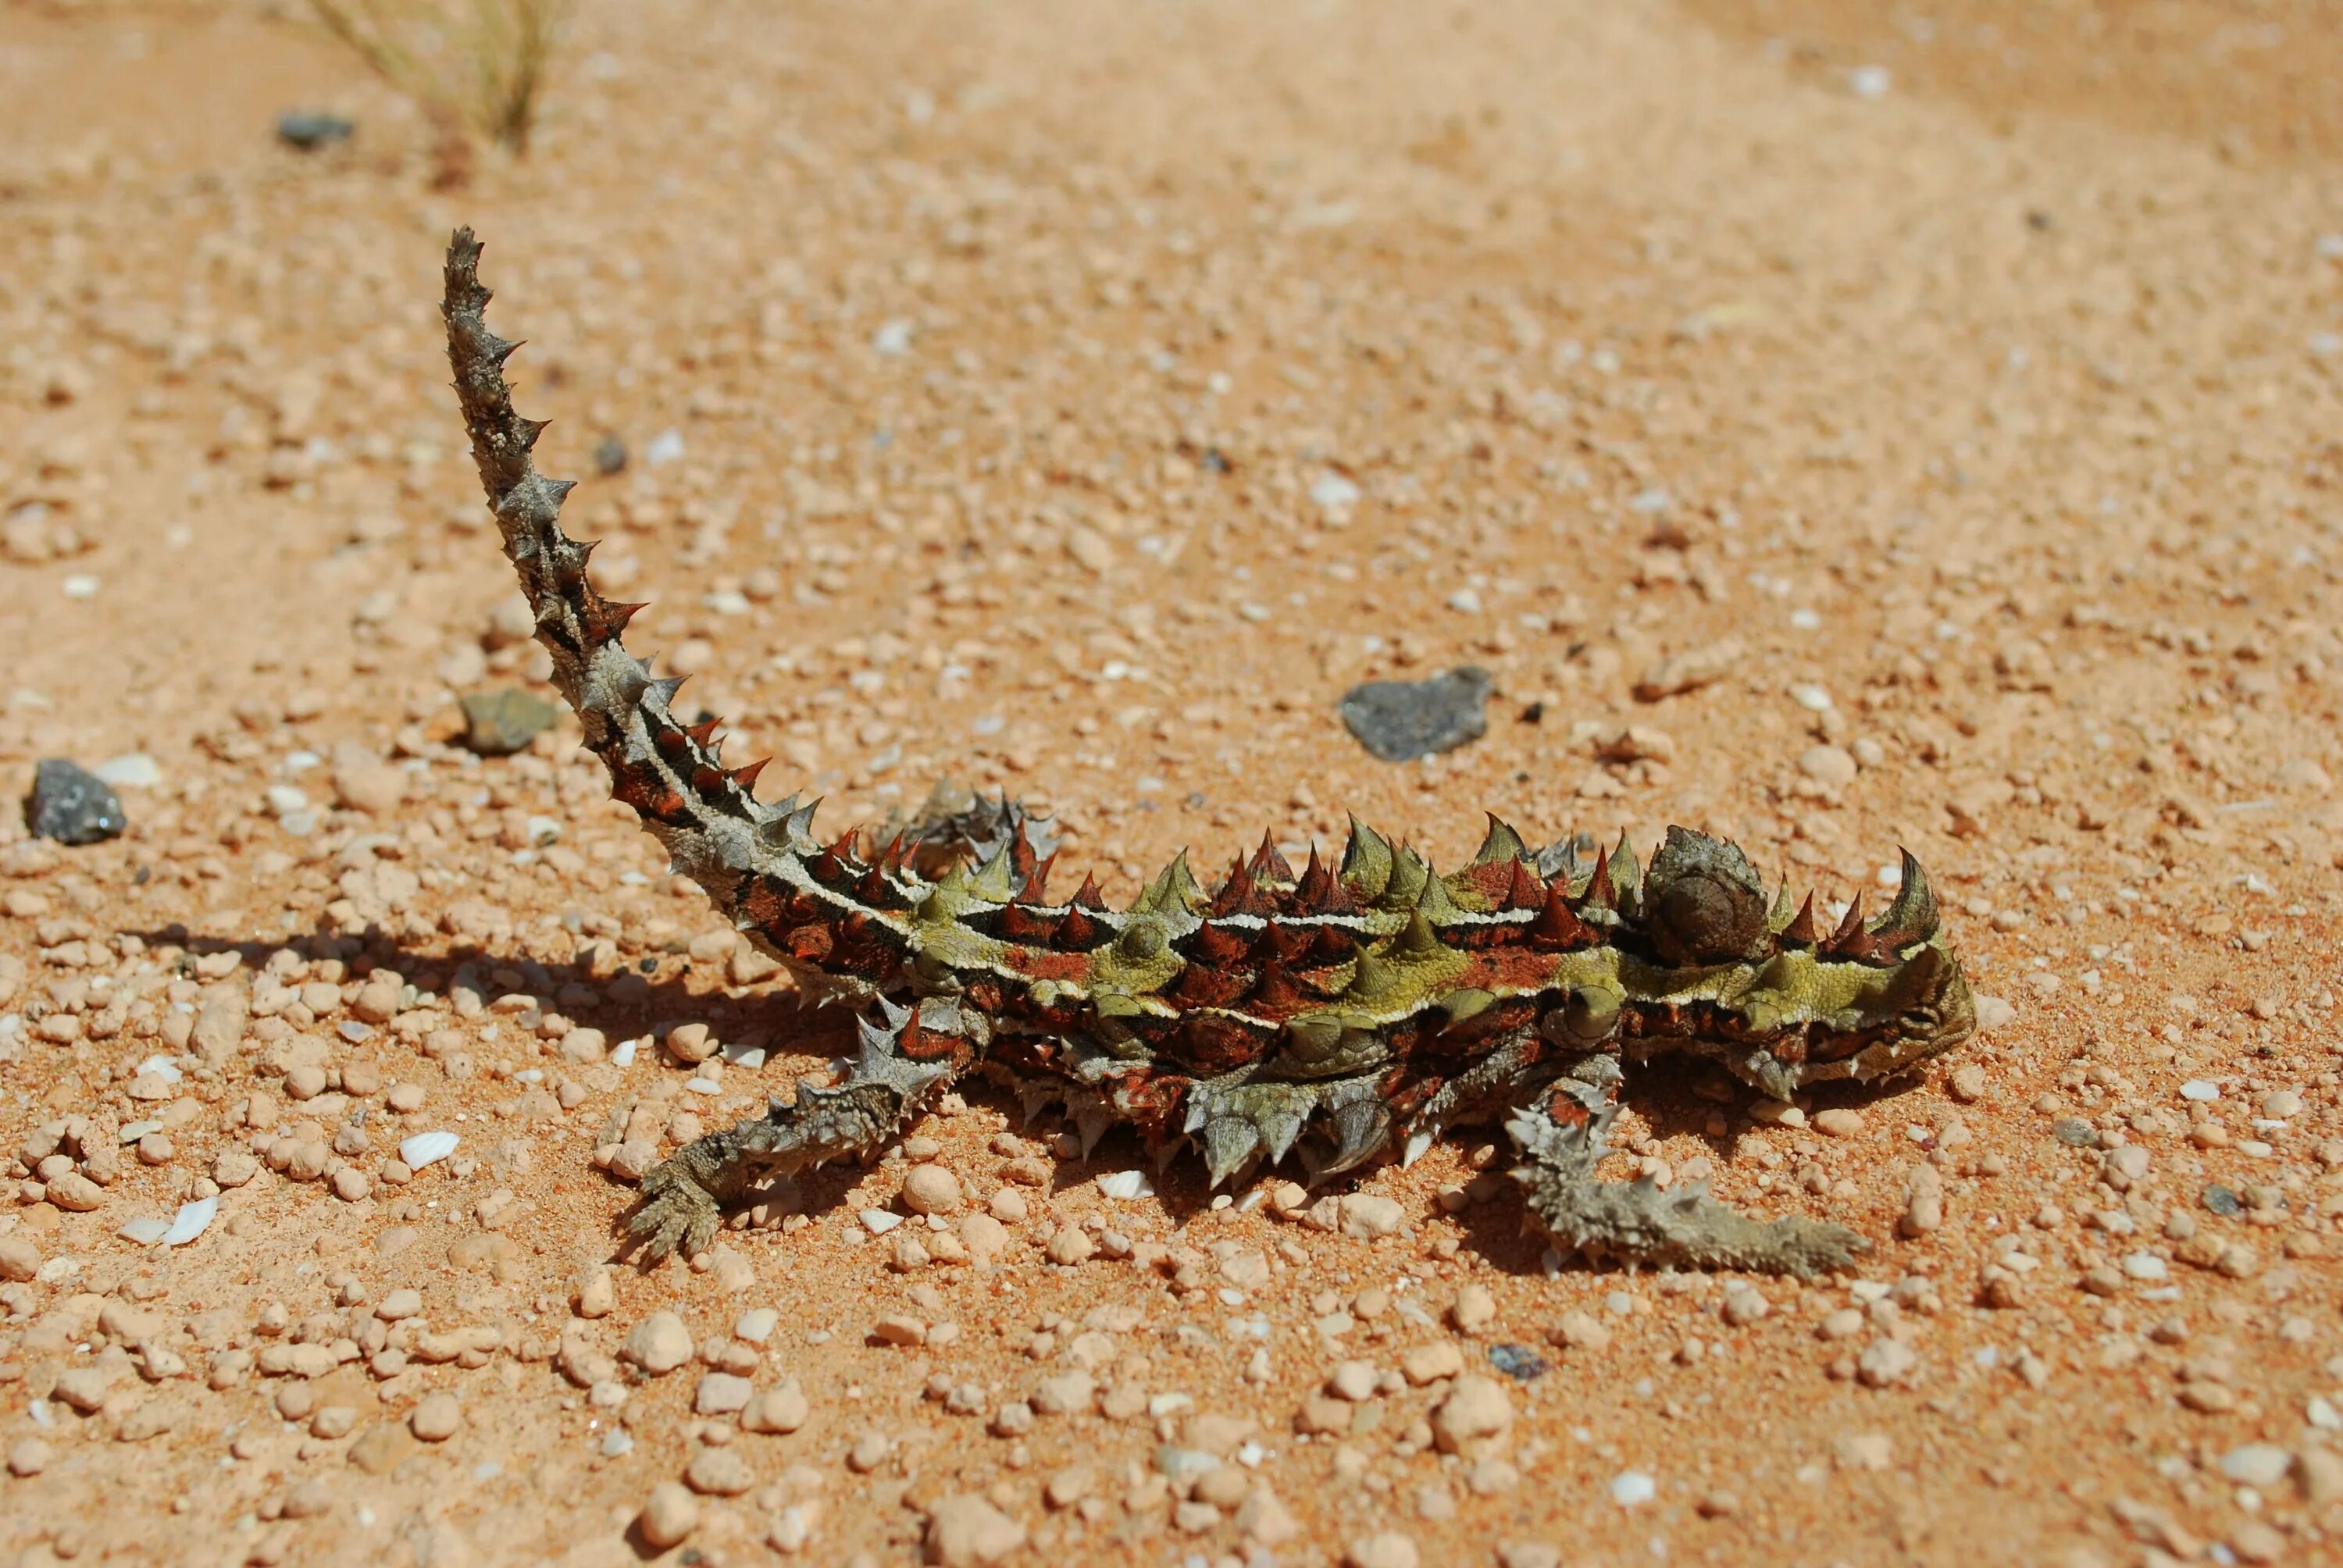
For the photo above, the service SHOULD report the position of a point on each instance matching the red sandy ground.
(1998, 408)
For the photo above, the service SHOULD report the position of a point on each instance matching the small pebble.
(670, 1515)
(719, 1472)
(965, 1531)
(660, 1344)
(1477, 1410)
(1631, 1487)
(931, 1189)
(1384, 1549)
(437, 1417)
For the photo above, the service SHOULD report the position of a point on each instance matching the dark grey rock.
(2223, 1202)
(307, 131)
(1400, 720)
(1517, 1362)
(500, 723)
(72, 806)
(609, 456)
(2080, 1134)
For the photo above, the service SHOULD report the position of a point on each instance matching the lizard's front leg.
(1561, 1141)
(683, 1198)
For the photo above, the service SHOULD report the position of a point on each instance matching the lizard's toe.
(674, 1214)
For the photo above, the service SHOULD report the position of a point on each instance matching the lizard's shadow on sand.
(803, 1041)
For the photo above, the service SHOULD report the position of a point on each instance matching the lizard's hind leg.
(901, 1062)
(1564, 1140)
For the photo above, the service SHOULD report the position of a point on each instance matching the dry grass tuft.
(478, 64)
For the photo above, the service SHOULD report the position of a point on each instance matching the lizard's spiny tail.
(706, 815)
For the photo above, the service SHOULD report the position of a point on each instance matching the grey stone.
(310, 131)
(500, 723)
(1517, 1362)
(72, 806)
(1400, 720)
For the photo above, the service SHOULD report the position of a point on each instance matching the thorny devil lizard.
(1327, 1016)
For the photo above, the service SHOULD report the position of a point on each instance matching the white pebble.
(81, 586)
(162, 1067)
(145, 1229)
(1872, 82)
(879, 1222)
(757, 1325)
(284, 799)
(1633, 1486)
(2144, 1266)
(2201, 1090)
(1125, 1184)
(1813, 699)
(191, 1221)
(131, 770)
(426, 1148)
(623, 1053)
(1332, 492)
(703, 1086)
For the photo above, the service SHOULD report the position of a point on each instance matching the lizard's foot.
(684, 1196)
(675, 1213)
(1639, 1223)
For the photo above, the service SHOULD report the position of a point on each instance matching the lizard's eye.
(1702, 900)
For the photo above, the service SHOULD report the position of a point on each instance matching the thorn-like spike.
(1230, 1143)
(1235, 894)
(1600, 893)
(1850, 928)
(1522, 889)
(1312, 893)
(1558, 927)
(1372, 977)
(1216, 945)
(664, 689)
(703, 732)
(1088, 896)
(1037, 885)
(1268, 864)
(1416, 939)
(616, 615)
(1501, 844)
(1410, 871)
(1800, 931)
(1366, 862)
(1627, 876)
(1078, 931)
(1274, 994)
(746, 775)
(1361, 1127)
(1913, 917)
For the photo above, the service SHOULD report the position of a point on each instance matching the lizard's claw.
(675, 1214)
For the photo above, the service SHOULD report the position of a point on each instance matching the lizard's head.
(1864, 1002)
